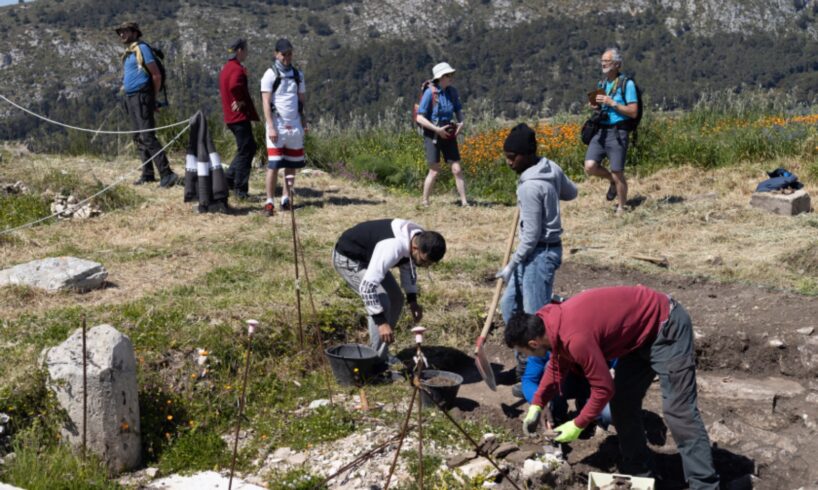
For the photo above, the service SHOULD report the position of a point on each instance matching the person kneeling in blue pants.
(574, 387)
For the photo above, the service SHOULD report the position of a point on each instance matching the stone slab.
(113, 403)
(751, 389)
(209, 480)
(784, 204)
(55, 274)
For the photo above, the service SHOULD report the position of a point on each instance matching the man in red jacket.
(651, 334)
(239, 112)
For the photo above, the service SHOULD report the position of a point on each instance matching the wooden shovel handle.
(498, 288)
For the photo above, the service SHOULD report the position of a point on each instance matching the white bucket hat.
(441, 69)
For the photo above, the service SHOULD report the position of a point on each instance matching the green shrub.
(17, 210)
(295, 479)
(41, 463)
(196, 450)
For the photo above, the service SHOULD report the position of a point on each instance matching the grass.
(182, 282)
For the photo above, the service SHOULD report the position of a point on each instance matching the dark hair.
(522, 328)
(432, 244)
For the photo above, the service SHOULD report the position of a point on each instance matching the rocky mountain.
(516, 57)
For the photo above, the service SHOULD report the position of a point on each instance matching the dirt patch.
(759, 439)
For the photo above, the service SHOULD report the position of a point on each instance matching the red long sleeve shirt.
(233, 87)
(592, 328)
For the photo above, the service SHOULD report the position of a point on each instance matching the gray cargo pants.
(672, 357)
(390, 296)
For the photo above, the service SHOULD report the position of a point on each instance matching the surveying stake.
(251, 328)
(298, 250)
(288, 183)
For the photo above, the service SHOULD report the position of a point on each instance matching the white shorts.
(288, 149)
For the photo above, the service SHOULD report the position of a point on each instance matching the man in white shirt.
(282, 95)
(364, 255)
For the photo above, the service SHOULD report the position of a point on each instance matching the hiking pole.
(251, 328)
(288, 183)
(84, 388)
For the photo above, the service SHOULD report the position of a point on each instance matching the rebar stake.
(251, 328)
(288, 183)
(324, 362)
(420, 361)
(84, 387)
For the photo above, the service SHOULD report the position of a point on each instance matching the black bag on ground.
(590, 127)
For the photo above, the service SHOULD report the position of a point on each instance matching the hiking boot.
(270, 209)
(241, 195)
(217, 207)
(517, 391)
(285, 203)
(611, 195)
(143, 180)
(168, 180)
(201, 209)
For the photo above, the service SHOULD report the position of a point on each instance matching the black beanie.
(521, 140)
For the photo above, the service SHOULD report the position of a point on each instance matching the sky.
(9, 2)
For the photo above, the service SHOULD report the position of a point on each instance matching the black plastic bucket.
(440, 387)
(345, 358)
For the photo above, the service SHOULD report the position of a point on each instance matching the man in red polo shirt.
(651, 334)
(239, 112)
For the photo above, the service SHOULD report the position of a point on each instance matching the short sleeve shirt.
(137, 76)
(448, 103)
(610, 116)
(285, 99)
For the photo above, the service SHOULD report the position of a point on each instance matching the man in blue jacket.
(529, 275)
(141, 82)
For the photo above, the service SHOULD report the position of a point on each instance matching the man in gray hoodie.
(529, 275)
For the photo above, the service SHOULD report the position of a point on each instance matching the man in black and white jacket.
(363, 256)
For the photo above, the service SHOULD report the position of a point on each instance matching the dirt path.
(760, 402)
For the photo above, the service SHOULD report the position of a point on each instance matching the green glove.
(568, 432)
(530, 420)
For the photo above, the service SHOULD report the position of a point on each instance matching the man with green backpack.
(618, 100)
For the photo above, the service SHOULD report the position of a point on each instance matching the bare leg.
(434, 169)
(459, 182)
(287, 173)
(593, 168)
(621, 188)
(270, 183)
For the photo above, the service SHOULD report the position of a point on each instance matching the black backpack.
(277, 83)
(632, 125)
(159, 58)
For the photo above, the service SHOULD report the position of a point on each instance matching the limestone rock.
(505, 449)
(806, 330)
(67, 207)
(480, 466)
(200, 481)
(55, 274)
(113, 406)
(460, 459)
(318, 403)
(533, 469)
(4, 486)
(809, 354)
(751, 389)
(785, 204)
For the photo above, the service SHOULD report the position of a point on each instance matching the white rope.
(3, 97)
(104, 190)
